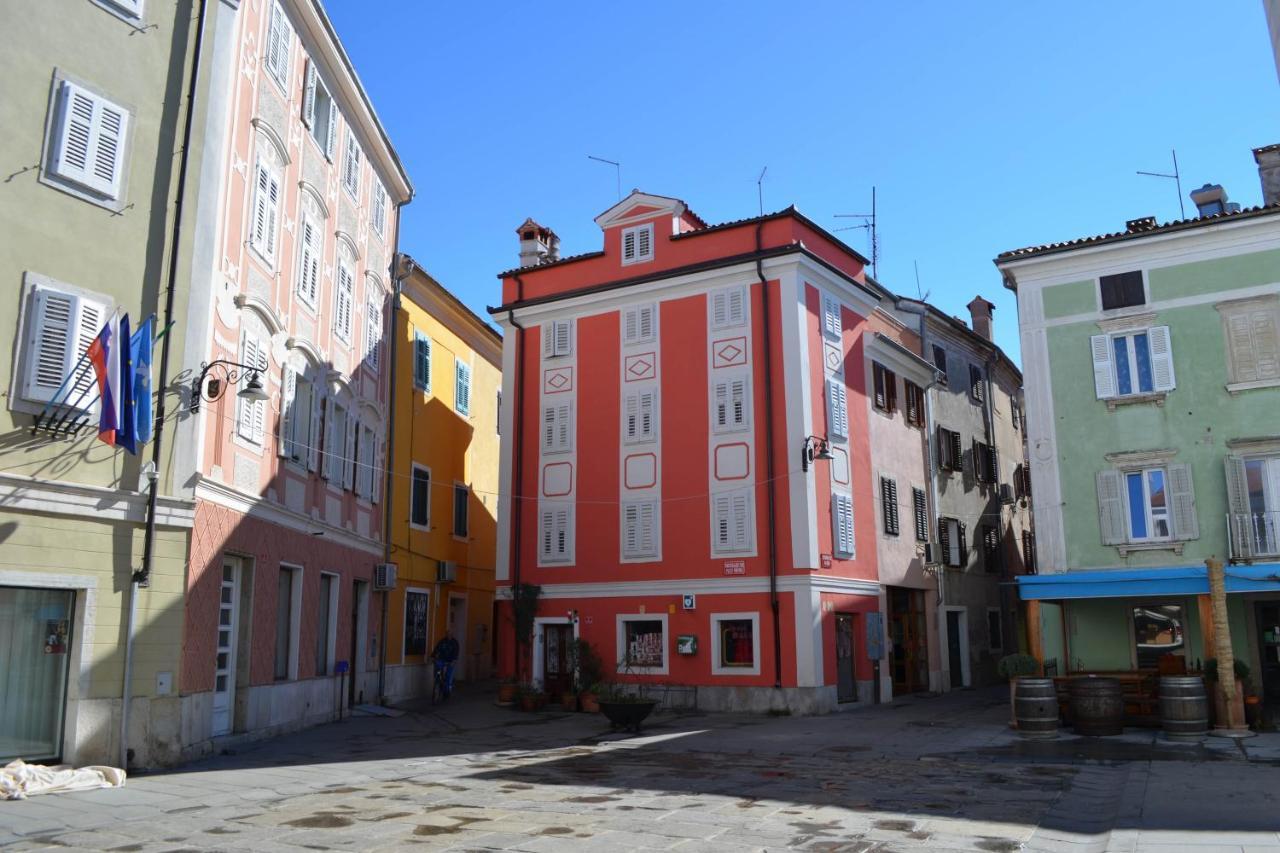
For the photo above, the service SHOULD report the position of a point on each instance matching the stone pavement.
(932, 774)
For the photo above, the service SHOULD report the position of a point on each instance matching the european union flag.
(140, 352)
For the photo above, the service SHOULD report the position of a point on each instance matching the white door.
(458, 625)
(224, 676)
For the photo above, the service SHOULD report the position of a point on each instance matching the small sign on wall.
(686, 644)
(735, 567)
(825, 561)
(690, 601)
(875, 636)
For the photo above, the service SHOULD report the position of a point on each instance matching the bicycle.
(440, 682)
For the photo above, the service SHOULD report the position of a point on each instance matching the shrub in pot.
(589, 670)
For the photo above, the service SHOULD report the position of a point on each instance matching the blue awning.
(1129, 583)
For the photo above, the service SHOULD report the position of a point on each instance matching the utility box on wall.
(686, 644)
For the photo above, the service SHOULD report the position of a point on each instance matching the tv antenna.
(617, 168)
(760, 189)
(869, 223)
(1177, 178)
(921, 296)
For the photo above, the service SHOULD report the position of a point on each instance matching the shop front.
(36, 627)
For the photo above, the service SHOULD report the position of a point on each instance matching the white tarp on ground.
(19, 780)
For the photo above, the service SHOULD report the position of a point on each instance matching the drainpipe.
(142, 577)
(768, 444)
(517, 479)
(401, 268)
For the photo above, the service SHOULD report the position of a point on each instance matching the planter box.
(627, 715)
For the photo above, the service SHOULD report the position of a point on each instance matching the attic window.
(637, 244)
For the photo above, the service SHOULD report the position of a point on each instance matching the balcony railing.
(1254, 534)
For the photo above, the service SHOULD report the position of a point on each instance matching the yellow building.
(444, 473)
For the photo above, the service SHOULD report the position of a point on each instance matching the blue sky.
(985, 126)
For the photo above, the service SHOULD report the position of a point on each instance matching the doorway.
(846, 681)
(957, 633)
(359, 641)
(36, 635)
(1267, 618)
(224, 672)
(908, 636)
(557, 660)
(456, 621)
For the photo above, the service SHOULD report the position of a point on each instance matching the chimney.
(1211, 200)
(538, 244)
(1142, 223)
(980, 316)
(1268, 160)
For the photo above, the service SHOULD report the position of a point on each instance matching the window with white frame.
(557, 339)
(89, 141)
(842, 537)
(555, 533)
(319, 111)
(639, 529)
(298, 416)
(1253, 501)
(59, 324)
(326, 623)
(252, 415)
(728, 308)
(264, 223)
(335, 442)
(557, 428)
(373, 331)
(351, 164)
(420, 497)
(1132, 362)
(735, 643)
(730, 404)
(831, 320)
(637, 244)
(279, 38)
(344, 294)
(288, 603)
(837, 408)
(129, 8)
(642, 644)
(1251, 328)
(732, 527)
(638, 324)
(366, 461)
(421, 361)
(310, 250)
(462, 387)
(639, 416)
(1153, 503)
(461, 510)
(378, 208)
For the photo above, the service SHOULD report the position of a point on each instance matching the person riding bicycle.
(445, 656)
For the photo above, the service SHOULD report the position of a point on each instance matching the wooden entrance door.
(557, 663)
(846, 683)
(909, 637)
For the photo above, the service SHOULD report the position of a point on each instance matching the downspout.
(401, 267)
(768, 457)
(517, 479)
(142, 577)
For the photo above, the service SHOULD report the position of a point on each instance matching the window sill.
(1240, 387)
(1136, 400)
(1132, 547)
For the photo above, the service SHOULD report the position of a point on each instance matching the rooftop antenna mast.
(617, 168)
(760, 189)
(1177, 177)
(869, 223)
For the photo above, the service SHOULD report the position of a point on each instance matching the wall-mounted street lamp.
(815, 448)
(217, 385)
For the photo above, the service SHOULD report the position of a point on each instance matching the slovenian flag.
(105, 359)
(140, 347)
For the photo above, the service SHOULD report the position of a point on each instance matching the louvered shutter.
(342, 313)
(1111, 507)
(944, 540)
(919, 508)
(564, 338)
(720, 522)
(462, 387)
(330, 464)
(251, 414)
(1104, 381)
(309, 96)
(547, 517)
(889, 505)
(891, 390)
(629, 245)
(314, 428)
(719, 309)
(349, 453)
(740, 533)
(1266, 342)
(831, 321)
(648, 545)
(631, 417)
(877, 382)
(1240, 512)
(309, 264)
(564, 427)
(378, 207)
(378, 478)
(720, 397)
(737, 310)
(285, 444)
(644, 242)
(351, 164)
(277, 54)
(630, 529)
(957, 453)
(739, 403)
(630, 325)
(51, 344)
(962, 536)
(373, 333)
(1182, 502)
(646, 330)
(333, 129)
(838, 409)
(1161, 358)
(422, 361)
(842, 525)
(91, 137)
(647, 406)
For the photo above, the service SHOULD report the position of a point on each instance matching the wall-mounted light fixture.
(230, 371)
(814, 448)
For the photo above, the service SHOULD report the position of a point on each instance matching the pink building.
(282, 627)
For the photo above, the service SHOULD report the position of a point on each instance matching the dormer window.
(637, 244)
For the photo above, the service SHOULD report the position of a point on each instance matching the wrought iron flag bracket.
(815, 447)
(231, 373)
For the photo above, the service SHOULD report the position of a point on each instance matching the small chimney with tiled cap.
(1268, 159)
(980, 316)
(538, 244)
(1211, 200)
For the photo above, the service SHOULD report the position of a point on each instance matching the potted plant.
(625, 705)
(1219, 701)
(589, 672)
(589, 698)
(524, 610)
(569, 699)
(1013, 667)
(507, 689)
(530, 697)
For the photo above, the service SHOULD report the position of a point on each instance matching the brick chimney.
(980, 316)
(1268, 159)
(538, 244)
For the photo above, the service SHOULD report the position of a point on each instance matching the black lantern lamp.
(230, 373)
(815, 448)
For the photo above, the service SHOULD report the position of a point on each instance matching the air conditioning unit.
(1006, 493)
(384, 576)
(446, 571)
(932, 554)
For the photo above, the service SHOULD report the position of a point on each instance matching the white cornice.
(902, 361)
(801, 584)
(28, 494)
(233, 499)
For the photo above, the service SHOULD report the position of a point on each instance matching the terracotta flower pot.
(506, 692)
(569, 700)
(529, 701)
(590, 704)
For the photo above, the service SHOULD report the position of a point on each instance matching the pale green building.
(1151, 359)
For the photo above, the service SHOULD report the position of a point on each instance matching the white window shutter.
(51, 340)
(309, 96)
(91, 140)
(1104, 381)
(333, 129)
(373, 333)
(1112, 507)
(309, 263)
(719, 309)
(343, 302)
(315, 425)
(548, 340)
(646, 316)
(842, 525)
(277, 54)
(349, 453)
(629, 245)
(1240, 513)
(630, 529)
(462, 387)
(564, 429)
(631, 417)
(737, 307)
(837, 409)
(741, 532)
(1266, 342)
(831, 321)
(1161, 358)
(1182, 502)
(648, 543)
(564, 338)
(647, 413)
(330, 463)
(285, 442)
(378, 483)
(644, 242)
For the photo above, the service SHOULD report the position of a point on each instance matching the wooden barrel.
(1097, 706)
(1184, 707)
(1035, 707)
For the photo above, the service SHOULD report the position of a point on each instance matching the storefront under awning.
(1130, 583)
